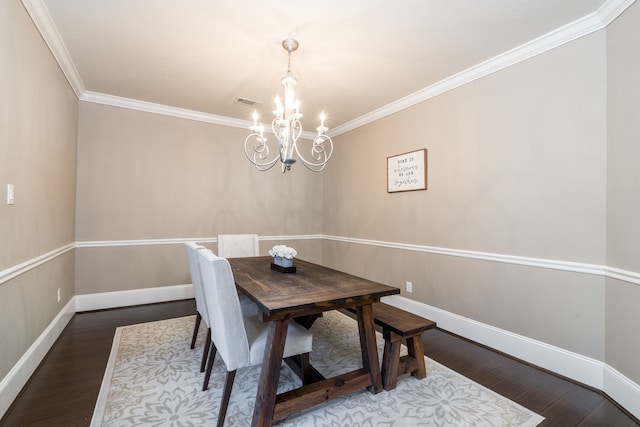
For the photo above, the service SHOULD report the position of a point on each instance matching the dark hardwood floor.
(65, 387)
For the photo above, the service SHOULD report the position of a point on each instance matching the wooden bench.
(398, 325)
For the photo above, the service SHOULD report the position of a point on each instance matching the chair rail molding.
(576, 267)
(177, 241)
(580, 368)
(16, 270)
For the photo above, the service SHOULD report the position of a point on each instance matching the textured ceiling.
(355, 56)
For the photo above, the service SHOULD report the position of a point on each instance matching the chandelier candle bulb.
(287, 128)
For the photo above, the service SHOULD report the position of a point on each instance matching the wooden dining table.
(303, 296)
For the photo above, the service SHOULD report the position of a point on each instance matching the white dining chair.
(238, 245)
(248, 307)
(239, 340)
(192, 249)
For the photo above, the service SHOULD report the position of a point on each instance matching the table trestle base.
(293, 401)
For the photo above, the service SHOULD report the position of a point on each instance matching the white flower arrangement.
(283, 251)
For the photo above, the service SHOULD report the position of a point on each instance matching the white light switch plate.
(9, 194)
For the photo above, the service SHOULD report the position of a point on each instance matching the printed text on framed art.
(407, 172)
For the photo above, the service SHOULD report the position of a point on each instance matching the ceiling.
(357, 58)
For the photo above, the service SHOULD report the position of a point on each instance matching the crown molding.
(586, 25)
(598, 20)
(42, 20)
(611, 9)
(150, 107)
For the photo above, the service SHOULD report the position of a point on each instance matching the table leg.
(369, 347)
(270, 374)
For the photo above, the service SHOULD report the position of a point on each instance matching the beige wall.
(623, 190)
(146, 176)
(537, 160)
(38, 125)
(516, 166)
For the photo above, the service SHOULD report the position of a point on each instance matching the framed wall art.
(407, 172)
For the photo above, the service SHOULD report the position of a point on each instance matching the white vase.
(283, 262)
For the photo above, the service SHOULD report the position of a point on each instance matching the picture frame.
(407, 171)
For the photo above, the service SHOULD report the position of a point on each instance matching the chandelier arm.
(314, 168)
(260, 152)
(287, 129)
(318, 152)
(296, 127)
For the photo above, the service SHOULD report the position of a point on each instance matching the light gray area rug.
(153, 379)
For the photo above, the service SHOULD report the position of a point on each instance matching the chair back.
(192, 249)
(238, 245)
(227, 326)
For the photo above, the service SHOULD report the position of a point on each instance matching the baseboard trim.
(104, 300)
(577, 367)
(15, 380)
(622, 390)
(572, 365)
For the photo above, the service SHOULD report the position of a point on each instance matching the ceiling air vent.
(249, 102)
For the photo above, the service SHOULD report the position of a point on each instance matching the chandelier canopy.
(287, 129)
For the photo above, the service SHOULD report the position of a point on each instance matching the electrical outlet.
(59, 294)
(409, 287)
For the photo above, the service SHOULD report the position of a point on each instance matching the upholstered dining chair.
(238, 245)
(240, 341)
(248, 307)
(192, 249)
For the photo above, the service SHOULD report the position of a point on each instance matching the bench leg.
(393, 365)
(391, 360)
(415, 350)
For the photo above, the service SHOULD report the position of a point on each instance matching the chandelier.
(287, 129)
